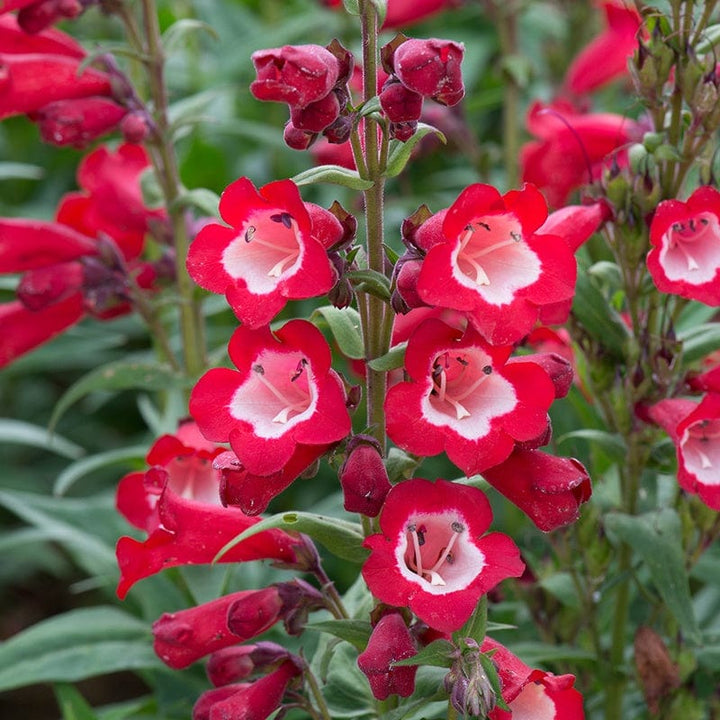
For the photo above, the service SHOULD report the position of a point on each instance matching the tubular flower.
(462, 398)
(177, 503)
(431, 554)
(284, 395)
(606, 57)
(548, 489)
(390, 641)
(532, 694)
(572, 147)
(685, 257)
(36, 15)
(694, 428)
(183, 637)
(275, 250)
(248, 701)
(485, 258)
(13, 39)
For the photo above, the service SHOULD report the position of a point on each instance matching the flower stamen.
(296, 407)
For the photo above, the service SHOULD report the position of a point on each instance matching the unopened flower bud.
(134, 127)
(40, 15)
(297, 139)
(363, 476)
(390, 641)
(431, 68)
(295, 74)
(407, 272)
(399, 103)
(403, 131)
(316, 116)
(298, 598)
(339, 131)
(470, 690)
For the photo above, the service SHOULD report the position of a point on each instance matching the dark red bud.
(400, 104)
(363, 477)
(297, 139)
(316, 116)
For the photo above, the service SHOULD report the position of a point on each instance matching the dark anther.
(250, 233)
(284, 218)
(259, 369)
(462, 361)
(298, 370)
(488, 369)
(484, 225)
(515, 236)
(704, 221)
(421, 536)
(457, 527)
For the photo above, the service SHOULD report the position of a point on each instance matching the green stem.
(163, 153)
(373, 330)
(317, 693)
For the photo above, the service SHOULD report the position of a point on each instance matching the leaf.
(400, 465)
(335, 174)
(340, 537)
(83, 467)
(538, 654)
(20, 171)
(180, 28)
(391, 360)
(76, 645)
(120, 375)
(22, 433)
(597, 317)
(612, 443)
(491, 672)
(476, 625)
(73, 705)
(370, 281)
(400, 152)
(201, 198)
(356, 632)
(710, 38)
(656, 538)
(699, 341)
(438, 654)
(345, 326)
(368, 108)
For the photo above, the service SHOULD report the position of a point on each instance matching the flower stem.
(163, 153)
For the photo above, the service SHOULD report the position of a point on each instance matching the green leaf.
(476, 625)
(370, 281)
(710, 38)
(400, 465)
(20, 171)
(391, 360)
(597, 317)
(344, 324)
(351, 6)
(537, 653)
(400, 152)
(334, 174)
(491, 673)
(181, 28)
(22, 433)
(368, 108)
(612, 443)
(356, 632)
(83, 467)
(73, 705)
(340, 537)
(201, 198)
(699, 341)
(656, 538)
(120, 375)
(74, 646)
(438, 654)
(517, 69)
(560, 584)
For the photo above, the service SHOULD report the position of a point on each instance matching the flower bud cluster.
(419, 69)
(312, 80)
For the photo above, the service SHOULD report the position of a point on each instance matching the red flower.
(183, 637)
(430, 68)
(13, 39)
(363, 476)
(294, 74)
(532, 694)
(485, 258)
(606, 57)
(36, 15)
(463, 399)
(571, 146)
(275, 250)
(390, 641)
(28, 82)
(695, 430)
(548, 489)
(401, 13)
(685, 257)
(247, 701)
(284, 395)
(177, 503)
(431, 555)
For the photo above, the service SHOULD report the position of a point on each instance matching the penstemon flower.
(432, 554)
(284, 395)
(685, 255)
(275, 250)
(177, 503)
(462, 398)
(485, 258)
